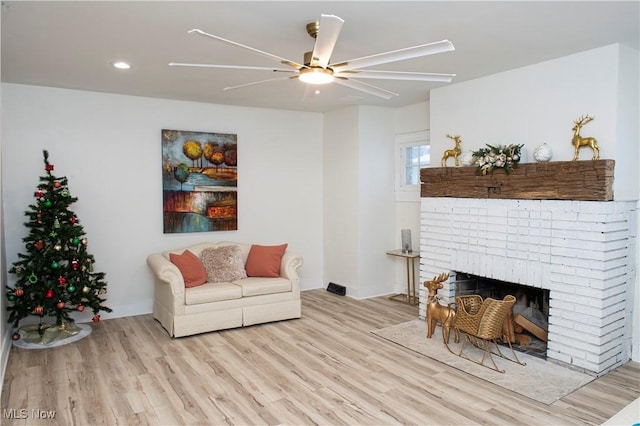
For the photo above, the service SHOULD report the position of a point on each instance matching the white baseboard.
(129, 310)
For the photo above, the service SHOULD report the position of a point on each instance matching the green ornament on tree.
(55, 265)
(48, 203)
(71, 288)
(75, 241)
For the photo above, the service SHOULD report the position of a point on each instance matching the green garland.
(497, 157)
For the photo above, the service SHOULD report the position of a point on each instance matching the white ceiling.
(72, 44)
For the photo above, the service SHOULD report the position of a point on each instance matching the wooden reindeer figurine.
(579, 142)
(436, 312)
(455, 152)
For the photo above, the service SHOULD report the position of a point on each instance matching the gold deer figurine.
(455, 152)
(579, 142)
(436, 312)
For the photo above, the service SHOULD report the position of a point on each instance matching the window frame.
(403, 141)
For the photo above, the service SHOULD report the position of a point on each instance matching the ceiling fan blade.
(364, 87)
(259, 52)
(258, 82)
(234, 67)
(397, 75)
(394, 55)
(328, 31)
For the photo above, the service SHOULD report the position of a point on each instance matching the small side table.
(409, 298)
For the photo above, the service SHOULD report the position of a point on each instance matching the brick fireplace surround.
(581, 251)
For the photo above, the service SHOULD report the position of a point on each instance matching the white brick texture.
(581, 251)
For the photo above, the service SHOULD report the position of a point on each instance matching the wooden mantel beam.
(587, 180)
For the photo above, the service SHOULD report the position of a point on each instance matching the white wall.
(628, 129)
(109, 147)
(376, 201)
(340, 195)
(409, 119)
(538, 103)
(358, 200)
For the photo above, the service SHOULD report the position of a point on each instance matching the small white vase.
(542, 153)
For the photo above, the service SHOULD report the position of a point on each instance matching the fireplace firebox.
(530, 312)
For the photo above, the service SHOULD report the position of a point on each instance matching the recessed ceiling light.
(121, 65)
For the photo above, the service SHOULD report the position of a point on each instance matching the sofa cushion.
(264, 261)
(211, 292)
(223, 263)
(191, 268)
(255, 286)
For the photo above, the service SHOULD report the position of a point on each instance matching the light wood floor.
(326, 368)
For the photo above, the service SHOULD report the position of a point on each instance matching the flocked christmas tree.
(55, 276)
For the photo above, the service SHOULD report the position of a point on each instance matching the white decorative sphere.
(542, 153)
(466, 158)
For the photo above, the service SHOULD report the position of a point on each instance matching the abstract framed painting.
(199, 181)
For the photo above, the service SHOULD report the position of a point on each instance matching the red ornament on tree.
(39, 245)
(96, 318)
(49, 294)
(39, 193)
(56, 184)
(62, 281)
(74, 264)
(73, 219)
(60, 305)
(19, 292)
(38, 310)
(80, 308)
(49, 167)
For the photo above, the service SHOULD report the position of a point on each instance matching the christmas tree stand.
(41, 336)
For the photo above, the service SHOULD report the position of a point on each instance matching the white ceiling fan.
(317, 68)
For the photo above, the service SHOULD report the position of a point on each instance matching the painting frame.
(199, 181)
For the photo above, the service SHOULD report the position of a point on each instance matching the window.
(412, 154)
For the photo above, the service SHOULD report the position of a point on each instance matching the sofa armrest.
(167, 272)
(289, 267)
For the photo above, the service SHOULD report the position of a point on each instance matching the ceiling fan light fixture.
(316, 75)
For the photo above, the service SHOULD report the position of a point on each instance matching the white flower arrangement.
(497, 157)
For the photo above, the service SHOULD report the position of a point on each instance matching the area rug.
(541, 380)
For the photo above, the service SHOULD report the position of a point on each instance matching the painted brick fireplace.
(581, 251)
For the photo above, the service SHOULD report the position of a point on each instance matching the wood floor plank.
(326, 368)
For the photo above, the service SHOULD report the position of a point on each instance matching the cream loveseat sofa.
(236, 302)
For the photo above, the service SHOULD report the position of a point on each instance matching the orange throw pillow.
(264, 261)
(190, 267)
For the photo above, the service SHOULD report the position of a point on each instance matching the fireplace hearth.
(581, 252)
